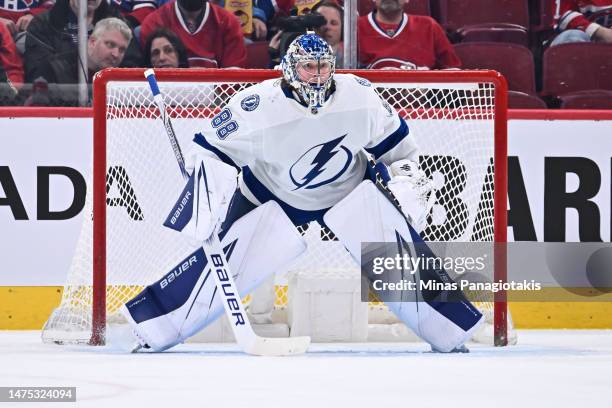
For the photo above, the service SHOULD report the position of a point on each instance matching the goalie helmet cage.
(460, 99)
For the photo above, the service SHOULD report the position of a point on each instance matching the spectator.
(11, 67)
(107, 44)
(388, 38)
(106, 48)
(332, 30)
(253, 15)
(135, 11)
(165, 50)
(263, 12)
(51, 43)
(583, 21)
(212, 35)
(17, 15)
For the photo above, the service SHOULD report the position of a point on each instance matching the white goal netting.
(452, 119)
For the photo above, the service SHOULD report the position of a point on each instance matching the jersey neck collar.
(203, 16)
(398, 30)
(293, 94)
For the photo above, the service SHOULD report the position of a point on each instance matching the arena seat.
(591, 99)
(514, 61)
(522, 100)
(497, 32)
(257, 55)
(455, 14)
(577, 67)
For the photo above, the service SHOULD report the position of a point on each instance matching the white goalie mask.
(308, 66)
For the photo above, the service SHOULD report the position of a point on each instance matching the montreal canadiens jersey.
(305, 161)
(418, 42)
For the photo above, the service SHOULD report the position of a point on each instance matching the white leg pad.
(366, 215)
(260, 243)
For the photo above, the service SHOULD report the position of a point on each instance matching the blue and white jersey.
(305, 161)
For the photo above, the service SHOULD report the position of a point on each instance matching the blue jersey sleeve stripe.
(390, 141)
(201, 140)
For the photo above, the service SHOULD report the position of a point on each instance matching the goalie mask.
(308, 66)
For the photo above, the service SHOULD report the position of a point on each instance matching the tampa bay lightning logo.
(363, 81)
(320, 165)
(250, 103)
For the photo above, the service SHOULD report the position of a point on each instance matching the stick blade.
(278, 347)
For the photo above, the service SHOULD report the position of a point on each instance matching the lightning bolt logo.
(325, 152)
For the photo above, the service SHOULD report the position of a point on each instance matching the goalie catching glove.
(414, 191)
(205, 199)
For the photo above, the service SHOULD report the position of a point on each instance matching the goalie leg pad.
(184, 301)
(366, 215)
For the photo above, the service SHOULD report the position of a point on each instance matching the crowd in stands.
(554, 53)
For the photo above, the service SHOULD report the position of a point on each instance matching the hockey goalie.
(283, 153)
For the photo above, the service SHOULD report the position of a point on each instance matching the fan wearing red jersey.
(388, 38)
(583, 21)
(212, 35)
(16, 15)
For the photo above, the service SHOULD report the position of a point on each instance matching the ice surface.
(562, 368)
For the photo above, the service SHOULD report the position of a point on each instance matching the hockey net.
(457, 117)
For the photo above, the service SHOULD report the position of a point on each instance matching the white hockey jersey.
(307, 162)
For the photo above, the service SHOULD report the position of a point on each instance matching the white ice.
(562, 368)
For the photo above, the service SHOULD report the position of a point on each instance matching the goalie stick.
(246, 338)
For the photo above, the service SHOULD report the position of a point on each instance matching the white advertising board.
(559, 188)
(34, 249)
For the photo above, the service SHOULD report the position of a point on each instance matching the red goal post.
(493, 108)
